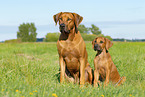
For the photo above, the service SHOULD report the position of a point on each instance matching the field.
(32, 69)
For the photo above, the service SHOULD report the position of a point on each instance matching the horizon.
(118, 19)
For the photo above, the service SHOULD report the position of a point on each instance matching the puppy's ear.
(56, 17)
(78, 19)
(108, 43)
(93, 44)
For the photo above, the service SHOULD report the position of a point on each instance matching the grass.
(31, 70)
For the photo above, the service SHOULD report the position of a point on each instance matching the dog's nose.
(62, 25)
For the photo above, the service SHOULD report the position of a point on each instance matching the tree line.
(27, 31)
(93, 29)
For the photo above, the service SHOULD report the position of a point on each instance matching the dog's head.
(67, 21)
(101, 43)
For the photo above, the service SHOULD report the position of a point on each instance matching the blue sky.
(117, 18)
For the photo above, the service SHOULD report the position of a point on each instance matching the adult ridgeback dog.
(103, 64)
(73, 57)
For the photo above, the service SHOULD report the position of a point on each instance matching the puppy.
(105, 70)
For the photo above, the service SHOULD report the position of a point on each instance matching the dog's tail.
(121, 81)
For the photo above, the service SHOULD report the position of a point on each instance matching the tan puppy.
(105, 70)
(73, 57)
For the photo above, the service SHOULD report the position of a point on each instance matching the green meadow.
(32, 70)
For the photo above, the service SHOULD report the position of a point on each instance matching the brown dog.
(104, 66)
(72, 52)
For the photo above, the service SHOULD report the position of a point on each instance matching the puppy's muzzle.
(97, 47)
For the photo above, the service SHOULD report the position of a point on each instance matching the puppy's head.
(67, 21)
(101, 43)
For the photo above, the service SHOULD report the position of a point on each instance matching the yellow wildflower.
(17, 90)
(82, 90)
(31, 93)
(130, 95)
(3, 89)
(102, 95)
(54, 95)
(35, 91)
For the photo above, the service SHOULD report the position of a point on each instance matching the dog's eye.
(101, 41)
(68, 19)
(95, 41)
(60, 18)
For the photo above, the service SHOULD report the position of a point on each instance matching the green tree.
(109, 38)
(27, 32)
(95, 30)
(52, 37)
(83, 29)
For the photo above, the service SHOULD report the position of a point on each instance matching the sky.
(116, 18)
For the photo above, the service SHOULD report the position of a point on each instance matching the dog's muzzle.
(62, 28)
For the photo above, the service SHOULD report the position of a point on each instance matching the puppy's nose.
(96, 45)
(62, 25)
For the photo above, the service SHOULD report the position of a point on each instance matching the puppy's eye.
(95, 41)
(60, 18)
(101, 41)
(68, 19)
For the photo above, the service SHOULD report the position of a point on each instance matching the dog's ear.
(56, 17)
(78, 19)
(108, 43)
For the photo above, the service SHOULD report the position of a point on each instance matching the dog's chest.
(70, 54)
(69, 50)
